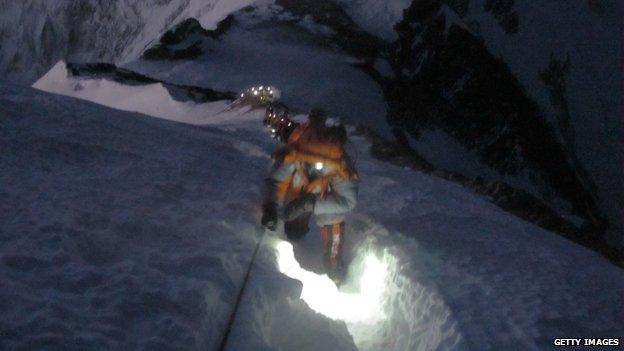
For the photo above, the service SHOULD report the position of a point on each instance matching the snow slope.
(376, 17)
(128, 232)
(135, 98)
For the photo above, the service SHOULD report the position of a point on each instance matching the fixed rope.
(239, 297)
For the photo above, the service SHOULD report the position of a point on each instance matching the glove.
(299, 206)
(269, 215)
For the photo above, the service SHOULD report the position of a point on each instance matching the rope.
(239, 297)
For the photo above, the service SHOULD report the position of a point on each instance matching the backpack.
(310, 144)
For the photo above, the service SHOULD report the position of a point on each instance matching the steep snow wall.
(119, 232)
(130, 237)
(135, 98)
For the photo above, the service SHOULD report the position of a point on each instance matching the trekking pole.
(239, 297)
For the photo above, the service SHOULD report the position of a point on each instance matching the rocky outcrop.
(120, 75)
(184, 41)
(448, 80)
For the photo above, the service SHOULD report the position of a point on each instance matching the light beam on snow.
(322, 295)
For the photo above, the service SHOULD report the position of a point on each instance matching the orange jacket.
(308, 146)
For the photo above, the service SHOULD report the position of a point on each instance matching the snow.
(448, 154)
(322, 295)
(35, 34)
(138, 98)
(125, 231)
(260, 49)
(376, 17)
(308, 23)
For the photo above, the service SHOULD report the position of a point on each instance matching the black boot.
(298, 227)
(269, 215)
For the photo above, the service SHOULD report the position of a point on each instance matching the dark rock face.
(120, 75)
(447, 80)
(109, 71)
(504, 14)
(348, 36)
(185, 40)
(554, 78)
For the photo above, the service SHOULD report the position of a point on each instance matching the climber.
(312, 175)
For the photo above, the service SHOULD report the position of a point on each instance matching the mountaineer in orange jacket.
(312, 175)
